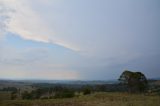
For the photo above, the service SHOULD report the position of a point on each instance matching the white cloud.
(28, 24)
(105, 33)
(3, 19)
(62, 27)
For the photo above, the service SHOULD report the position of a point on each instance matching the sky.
(79, 39)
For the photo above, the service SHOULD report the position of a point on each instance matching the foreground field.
(96, 99)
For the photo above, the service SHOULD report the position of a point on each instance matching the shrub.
(87, 90)
(26, 95)
(65, 93)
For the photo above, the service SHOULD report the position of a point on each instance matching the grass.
(96, 99)
(5, 96)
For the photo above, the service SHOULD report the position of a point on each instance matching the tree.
(64, 93)
(13, 95)
(87, 90)
(101, 88)
(135, 81)
(26, 95)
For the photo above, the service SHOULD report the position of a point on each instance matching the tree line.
(132, 82)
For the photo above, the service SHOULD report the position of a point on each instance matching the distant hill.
(81, 82)
(21, 83)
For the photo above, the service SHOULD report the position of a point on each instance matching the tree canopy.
(135, 81)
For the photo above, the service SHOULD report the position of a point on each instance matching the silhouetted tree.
(135, 81)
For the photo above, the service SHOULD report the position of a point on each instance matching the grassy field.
(96, 99)
(4, 96)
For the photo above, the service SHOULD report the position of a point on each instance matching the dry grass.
(4, 96)
(96, 99)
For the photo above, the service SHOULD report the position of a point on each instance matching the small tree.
(64, 93)
(87, 90)
(13, 95)
(26, 95)
(135, 81)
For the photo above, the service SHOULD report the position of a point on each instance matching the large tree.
(135, 81)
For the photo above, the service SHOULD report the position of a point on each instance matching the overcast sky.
(79, 39)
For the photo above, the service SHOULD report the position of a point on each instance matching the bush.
(87, 90)
(65, 93)
(26, 95)
(13, 89)
(13, 95)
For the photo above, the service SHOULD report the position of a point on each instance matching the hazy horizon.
(79, 39)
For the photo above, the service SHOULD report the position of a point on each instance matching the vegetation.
(13, 89)
(65, 93)
(95, 99)
(4, 96)
(135, 81)
(87, 90)
(143, 93)
(47, 93)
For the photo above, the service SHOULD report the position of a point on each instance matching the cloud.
(3, 19)
(26, 23)
(31, 24)
(99, 35)
(110, 33)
